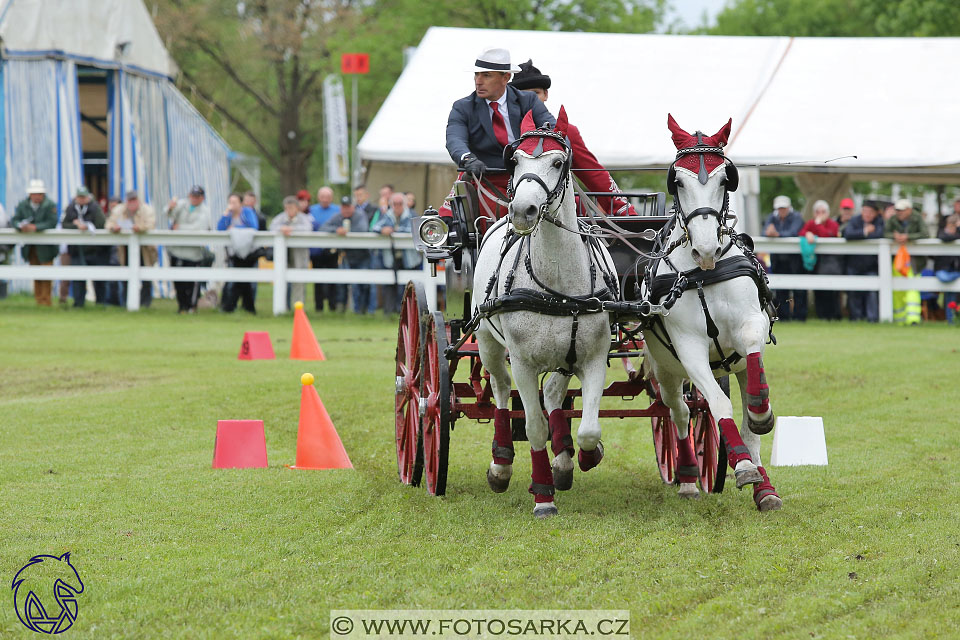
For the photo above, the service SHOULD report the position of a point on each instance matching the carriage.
(440, 378)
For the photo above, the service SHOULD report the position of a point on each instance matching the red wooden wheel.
(665, 446)
(706, 444)
(413, 310)
(435, 391)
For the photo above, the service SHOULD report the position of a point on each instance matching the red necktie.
(499, 128)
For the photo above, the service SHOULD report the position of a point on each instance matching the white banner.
(336, 130)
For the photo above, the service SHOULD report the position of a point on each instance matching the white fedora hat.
(36, 186)
(494, 60)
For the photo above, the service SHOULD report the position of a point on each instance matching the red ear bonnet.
(549, 144)
(683, 140)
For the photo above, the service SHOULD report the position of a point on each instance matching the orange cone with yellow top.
(304, 345)
(318, 444)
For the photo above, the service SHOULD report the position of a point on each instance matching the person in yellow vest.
(903, 227)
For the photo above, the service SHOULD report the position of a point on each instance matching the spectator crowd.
(898, 222)
(392, 213)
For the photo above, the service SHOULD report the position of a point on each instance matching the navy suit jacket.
(470, 130)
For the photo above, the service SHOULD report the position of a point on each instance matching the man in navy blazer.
(471, 139)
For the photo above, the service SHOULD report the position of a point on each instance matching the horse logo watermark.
(45, 593)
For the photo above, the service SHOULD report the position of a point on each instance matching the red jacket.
(828, 229)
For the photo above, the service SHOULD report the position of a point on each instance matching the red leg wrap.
(687, 469)
(542, 476)
(560, 439)
(763, 489)
(758, 393)
(502, 437)
(736, 450)
(589, 459)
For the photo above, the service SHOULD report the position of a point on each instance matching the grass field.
(107, 423)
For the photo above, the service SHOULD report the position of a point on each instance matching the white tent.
(888, 101)
(87, 84)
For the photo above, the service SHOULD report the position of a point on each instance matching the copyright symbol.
(341, 625)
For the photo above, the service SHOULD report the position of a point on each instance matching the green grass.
(107, 423)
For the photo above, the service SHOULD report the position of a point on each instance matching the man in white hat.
(907, 225)
(784, 222)
(36, 213)
(483, 123)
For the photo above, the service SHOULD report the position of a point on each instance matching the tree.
(852, 18)
(260, 63)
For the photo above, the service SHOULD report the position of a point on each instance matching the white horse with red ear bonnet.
(720, 323)
(538, 288)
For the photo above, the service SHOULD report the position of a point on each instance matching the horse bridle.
(730, 185)
(558, 190)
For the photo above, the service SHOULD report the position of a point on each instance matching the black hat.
(196, 190)
(346, 200)
(530, 77)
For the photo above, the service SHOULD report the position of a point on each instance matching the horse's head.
(700, 180)
(539, 162)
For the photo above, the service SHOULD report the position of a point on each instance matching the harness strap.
(572, 352)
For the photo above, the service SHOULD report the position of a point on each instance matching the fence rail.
(134, 273)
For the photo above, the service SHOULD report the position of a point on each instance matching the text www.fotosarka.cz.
(480, 623)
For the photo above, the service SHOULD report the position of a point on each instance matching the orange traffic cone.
(304, 345)
(318, 445)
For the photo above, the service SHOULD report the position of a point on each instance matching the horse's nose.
(531, 211)
(716, 254)
(695, 254)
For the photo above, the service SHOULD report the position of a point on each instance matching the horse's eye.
(557, 163)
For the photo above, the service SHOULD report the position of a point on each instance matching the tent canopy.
(792, 100)
(104, 33)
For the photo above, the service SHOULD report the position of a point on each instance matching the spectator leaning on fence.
(398, 218)
(84, 214)
(350, 220)
(784, 222)
(242, 223)
(906, 226)
(36, 213)
(822, 226)
(292, 219)
(138, 217)
(323, 258)
(863, 305)
(947, 268)
(190, 214)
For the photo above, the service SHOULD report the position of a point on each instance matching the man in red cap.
(846, 212)
(586, 166)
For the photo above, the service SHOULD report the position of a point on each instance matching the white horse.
(720, 321)
(538, 286)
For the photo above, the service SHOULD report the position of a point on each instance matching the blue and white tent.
(150, 137)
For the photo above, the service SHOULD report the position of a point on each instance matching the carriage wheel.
(407, 399)
(665, 446)
(435, 391)
(709, 445)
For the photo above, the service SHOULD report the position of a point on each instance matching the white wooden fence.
(134, 273)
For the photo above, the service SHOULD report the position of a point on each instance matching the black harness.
(548, 301)
(669, 287)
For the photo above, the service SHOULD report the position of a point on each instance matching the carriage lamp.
(434, 231)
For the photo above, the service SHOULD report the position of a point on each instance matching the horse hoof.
(589, 459)
(544, 510)
(498, 484)
(763, 427)
(772, 502)
(562, 479)
(688, 490)
(747, 476)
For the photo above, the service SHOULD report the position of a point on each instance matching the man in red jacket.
(587, 168)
